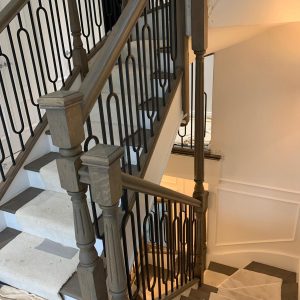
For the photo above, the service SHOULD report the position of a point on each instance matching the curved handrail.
(109, 54)
(10, 11)
(143, 186)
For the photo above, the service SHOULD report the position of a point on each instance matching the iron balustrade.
(161, 235)
(186, 134)
(136, 91)
(36, 57)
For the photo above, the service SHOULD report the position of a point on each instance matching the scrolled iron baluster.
(161, 72)
(7, 137)
(114, 96)
(164, 236)
(156, 68)
(157, 241)
(124, 109)
(67, 56)
(20, 80)
(130, 215)
(142, 96)
(58, 54)
(24, 63)
(149, 218)
(135, 146)
(2, 159)
(168, 47)
(170, 242)
(146, 31)
(85, 33)
(100, 22)
(34, 31)
(7, 102)
(102, 120)
(173, 35)
(46, 18)
(141, 249)
(182, 135)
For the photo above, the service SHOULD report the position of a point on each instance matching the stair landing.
(255, 281)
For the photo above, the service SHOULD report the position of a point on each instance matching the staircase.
(86, 214)
(39, 240)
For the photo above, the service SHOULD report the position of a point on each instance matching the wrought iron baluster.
(8, 104)
(149, 220)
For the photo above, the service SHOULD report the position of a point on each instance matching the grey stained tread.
(71, 288)
(286, 276)
(208, 288)
(220, 268)
(37, 164)
(164, 49)
(20, 200)
(151, 104)
(199, 294)
(7, 235)
(161, 75)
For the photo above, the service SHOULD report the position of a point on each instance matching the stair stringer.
(165, 141)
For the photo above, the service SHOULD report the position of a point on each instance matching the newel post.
(182, 58)
(79, 54)
(105, 180)
(64, 115)
(199, 45)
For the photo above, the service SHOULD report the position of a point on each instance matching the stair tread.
(42, 161)
(151, 103)
(7, 235)
(135, 136)
(164, 49)
(20, 200)
(71, 288)
(208, 288)
(220, 268)
(161, 75)
(45, 258)
(53, 213)
(286, 276)
(199, 294)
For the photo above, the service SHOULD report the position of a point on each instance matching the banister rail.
(143, 186)
(107, 57)
(8, 13)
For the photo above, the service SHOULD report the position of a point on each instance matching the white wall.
(254, 211)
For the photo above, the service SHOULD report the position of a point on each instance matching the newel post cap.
(103, 162)
(64, 113)
(60, 99)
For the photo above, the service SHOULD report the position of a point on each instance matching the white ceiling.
(227, 13)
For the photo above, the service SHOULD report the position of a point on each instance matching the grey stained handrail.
(8, 13)
(109, 54)
(143, 186)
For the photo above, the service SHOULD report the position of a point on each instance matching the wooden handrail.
(143, 186)
(109, 54)
(8, 13)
